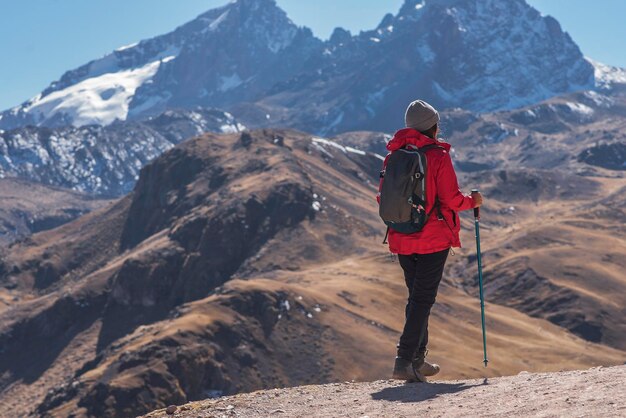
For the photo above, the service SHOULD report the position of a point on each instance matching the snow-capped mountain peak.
(248, 57)
(261, 19)
(128, 82)
(480, 55)
(99, 99)
(607, 76)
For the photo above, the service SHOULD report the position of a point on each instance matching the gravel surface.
(598, 392)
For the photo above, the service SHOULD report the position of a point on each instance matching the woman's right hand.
(478, 199)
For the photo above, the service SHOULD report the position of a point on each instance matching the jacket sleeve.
(448, 190)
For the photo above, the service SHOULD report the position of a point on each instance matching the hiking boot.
(403, 370)
(422, 366)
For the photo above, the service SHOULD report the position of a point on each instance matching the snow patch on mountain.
(598, 99)
(229, 125)
(320, 143)
(149, 103)
(607, 75)
(374, 99)
(426, 53)
(579, 108)
(216, 23)
(356, 151)
(230, 82)
(329, 143)
(125, 47)
(96, 100)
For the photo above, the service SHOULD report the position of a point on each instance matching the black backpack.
(403, 191)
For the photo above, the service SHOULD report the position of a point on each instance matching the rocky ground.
(596, 392)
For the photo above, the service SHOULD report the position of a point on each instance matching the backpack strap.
(386, 235)
(422, 150)
(431, 146)
(437, 206)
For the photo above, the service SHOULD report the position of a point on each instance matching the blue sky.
(41, 39)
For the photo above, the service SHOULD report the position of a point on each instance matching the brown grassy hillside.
(254, 260)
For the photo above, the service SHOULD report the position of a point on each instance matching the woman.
(423, 254)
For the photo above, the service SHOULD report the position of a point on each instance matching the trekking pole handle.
(476, 210)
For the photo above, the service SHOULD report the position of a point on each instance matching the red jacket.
(437, 235)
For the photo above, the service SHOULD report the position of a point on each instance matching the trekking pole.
(480, 279)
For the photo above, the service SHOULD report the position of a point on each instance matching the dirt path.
(598, 392)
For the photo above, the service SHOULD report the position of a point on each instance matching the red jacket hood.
(407, 136)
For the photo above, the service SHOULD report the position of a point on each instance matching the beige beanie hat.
(421, 116)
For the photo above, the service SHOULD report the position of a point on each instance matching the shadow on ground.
(418, 392)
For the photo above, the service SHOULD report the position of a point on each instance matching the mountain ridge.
(268, 71)
(100, 160)
(84, 158)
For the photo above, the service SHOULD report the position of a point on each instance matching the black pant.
(422, 273)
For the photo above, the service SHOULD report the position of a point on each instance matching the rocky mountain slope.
(249, 58)
(185, 223)
(253, 260)
(590, 393)
(102, 160)
(29, 207)
(579, 131)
